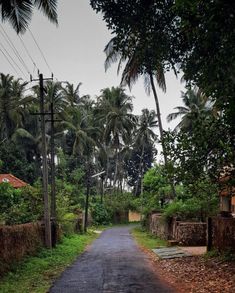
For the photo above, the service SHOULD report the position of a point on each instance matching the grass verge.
(36, 274)
(146, 239)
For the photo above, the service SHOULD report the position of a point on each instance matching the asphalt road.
(113, 263)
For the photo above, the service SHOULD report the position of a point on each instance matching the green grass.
(146, 239)
(36, 274)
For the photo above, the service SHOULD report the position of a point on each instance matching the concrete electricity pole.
(53, 188)
(47, 221)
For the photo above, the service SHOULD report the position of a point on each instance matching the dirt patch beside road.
(196, 274)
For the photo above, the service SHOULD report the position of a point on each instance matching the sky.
(74, 53)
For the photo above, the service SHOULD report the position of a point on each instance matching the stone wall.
(190, 233)
(159, 227)
(18, 241)
(186, 233)
(134, 216)
(223, 233)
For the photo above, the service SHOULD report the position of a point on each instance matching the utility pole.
(44, 167)
(53, 191)
(88, 179)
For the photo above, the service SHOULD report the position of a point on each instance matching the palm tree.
(78, 123)
(13, 104)
(145, 135)
(71, 94)
(197, 105)
(136, 65)
(114, 111)
(19, 12)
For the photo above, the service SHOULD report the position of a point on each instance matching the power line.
(12, 46)
(44, 58)
(12, 60)
(9, 62)
(27, 52)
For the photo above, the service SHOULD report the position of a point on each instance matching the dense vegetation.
(92, 135)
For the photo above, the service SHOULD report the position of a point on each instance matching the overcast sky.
(74, 52)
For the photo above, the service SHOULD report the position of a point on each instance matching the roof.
(12, 180)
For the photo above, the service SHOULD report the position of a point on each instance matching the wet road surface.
(113, 263)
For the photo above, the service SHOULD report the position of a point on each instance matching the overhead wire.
(12, 46)
(40, 50)
(27, 52)
(14, 62)
(9, 61)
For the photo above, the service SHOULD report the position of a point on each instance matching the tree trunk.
(116, 163)
(158, 116)
(160, 128)
(140, 171)
(107, 171)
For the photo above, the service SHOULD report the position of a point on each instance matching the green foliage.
(14, 161)
(194, 208)
(146, 239)
(155, 179)
(178, 33)
(68, 223)
(19, 205)
(201, 152)
(156, 183)
(100, 214)
(150, 203)
(187, 210)
(119, 202)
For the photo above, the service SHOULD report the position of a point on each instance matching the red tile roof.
(12, 180)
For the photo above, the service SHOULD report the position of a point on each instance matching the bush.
(18, 206)
(190, 209)
(68, 223)
(100, 214)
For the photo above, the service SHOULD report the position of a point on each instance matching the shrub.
(100, 214)
(68, 223)
(190, 209)
(19, 206)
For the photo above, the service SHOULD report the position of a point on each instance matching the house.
(12, 180)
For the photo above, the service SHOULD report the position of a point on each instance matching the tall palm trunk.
(117, 161)
(107, 172)
(140, 171)
(158, 116)
(116, 167)
(160, 128)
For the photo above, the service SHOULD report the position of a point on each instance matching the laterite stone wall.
(18, 241)
(223, 234)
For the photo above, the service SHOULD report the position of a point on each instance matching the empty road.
(113, 263)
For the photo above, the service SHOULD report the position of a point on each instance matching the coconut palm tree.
(145, 136)
(114, 111)
(137, 65)
(196, 105)
(19, 12)
(71, 93)
(82, 131)
(13, 104)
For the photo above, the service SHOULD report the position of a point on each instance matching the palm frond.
(160, 77)
(112, 55)
(147, 84)
(19, 15)
(131, 72)
(173, 116)
(49, 8)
